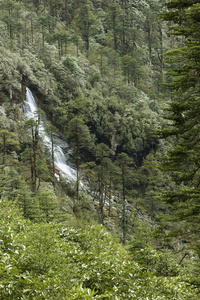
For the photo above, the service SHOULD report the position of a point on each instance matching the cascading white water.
(30, 111)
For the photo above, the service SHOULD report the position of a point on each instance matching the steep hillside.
(95, 68)
(96, 71)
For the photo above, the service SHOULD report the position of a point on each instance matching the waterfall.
(30, 110)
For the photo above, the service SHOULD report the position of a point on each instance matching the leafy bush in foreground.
(55, 261)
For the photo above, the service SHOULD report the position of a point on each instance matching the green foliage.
(8, 140)
(80, 137)
(124, 163)
(183, 117)
(85, 19)
(74, 56)
(159, 261)
(49, 261)
(131, 70)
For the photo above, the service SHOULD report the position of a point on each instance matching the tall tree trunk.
(114, 29)
(4, 148)
(110, 195)
(66, 13)
(101, 201)
(161, 56)
(32, 31)
(77, 165)
(149, 39)
(35, 145)
(123, 208)
(52, 156)
(59, 49)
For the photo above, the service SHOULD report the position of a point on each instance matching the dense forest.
(116, 85)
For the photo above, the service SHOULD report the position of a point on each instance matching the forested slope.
(96, 69)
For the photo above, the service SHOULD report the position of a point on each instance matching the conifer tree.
(52, 130)
(85, 19)
(32, 153)
(102, 152)
(8, 140)
(124, 162)
(183, 113)
(79, 135)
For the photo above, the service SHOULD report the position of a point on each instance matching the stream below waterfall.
(30, 111)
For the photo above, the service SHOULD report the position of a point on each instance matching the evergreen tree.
(113, 22)
(79, 135)
(51, 130)
(31, 154)
(85, 19)
(8, 140)
(102, 152)
(124, 162)
(183, 115)
(34, 154)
